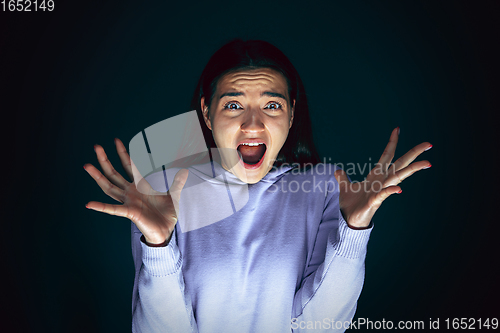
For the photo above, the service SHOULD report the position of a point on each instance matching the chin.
(248, 176)
(253, 179)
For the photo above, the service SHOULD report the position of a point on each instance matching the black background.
(90, 71)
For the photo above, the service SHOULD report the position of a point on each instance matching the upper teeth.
(252, 143)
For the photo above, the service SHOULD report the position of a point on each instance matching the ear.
(291, 114)
(206, 114)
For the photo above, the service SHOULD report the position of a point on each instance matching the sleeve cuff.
(162, 261)
(351, 243)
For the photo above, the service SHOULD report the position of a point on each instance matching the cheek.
(223, 130)
(279, 131)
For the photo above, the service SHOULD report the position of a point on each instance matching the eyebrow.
(265, 93)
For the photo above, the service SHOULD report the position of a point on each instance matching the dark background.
(91, 71)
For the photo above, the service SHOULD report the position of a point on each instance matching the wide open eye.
(274, 106)
(232, 106)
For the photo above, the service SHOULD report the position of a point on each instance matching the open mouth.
(252, 154)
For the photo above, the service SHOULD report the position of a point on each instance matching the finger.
(410, 156)
(385, 193)
(341, 178)
(402, 174)
(110, 189)
(390, 149)
(117, 210)
(124, 158)
(177, 186)
(108, 169)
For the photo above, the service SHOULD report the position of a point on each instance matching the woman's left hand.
(360, 200)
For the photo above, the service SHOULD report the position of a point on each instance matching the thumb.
(341, 178)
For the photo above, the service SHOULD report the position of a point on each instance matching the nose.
(252, 122)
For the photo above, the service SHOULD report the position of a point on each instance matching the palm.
(359, 201)
(154, 213)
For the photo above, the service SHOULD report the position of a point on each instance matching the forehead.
(253, 79)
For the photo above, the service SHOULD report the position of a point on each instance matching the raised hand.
(359, 201)
(154, 215)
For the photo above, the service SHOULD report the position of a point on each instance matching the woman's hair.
(239, 55)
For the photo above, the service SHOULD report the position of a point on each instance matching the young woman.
(291, 258)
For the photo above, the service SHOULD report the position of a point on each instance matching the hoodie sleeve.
(335, 274)
(160, 302)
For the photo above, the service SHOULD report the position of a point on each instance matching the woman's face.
(250, 113)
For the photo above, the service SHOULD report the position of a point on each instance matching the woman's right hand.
(154, 215)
